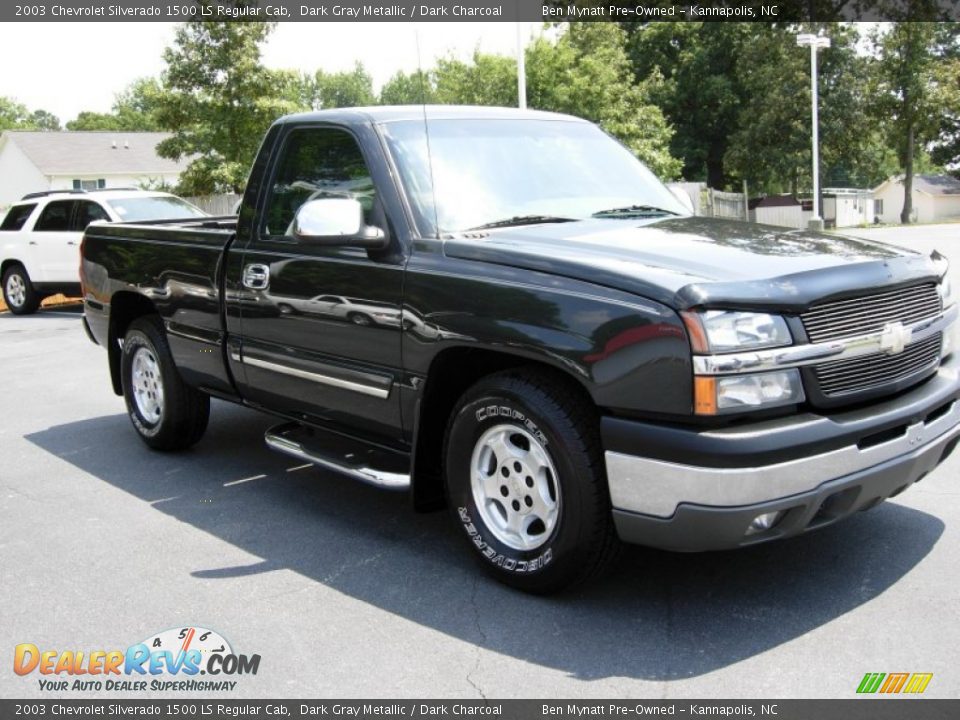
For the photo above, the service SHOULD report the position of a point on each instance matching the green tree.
(587, 72)
(770, 143)
(584, 71)
(914, 91)
(134, 109)
(353, 88)
(218, 100)
(701, 92)
(414, 88)
(16, 116)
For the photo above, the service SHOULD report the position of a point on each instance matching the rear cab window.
(17, 216)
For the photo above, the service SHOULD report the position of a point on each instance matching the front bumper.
(683, 489)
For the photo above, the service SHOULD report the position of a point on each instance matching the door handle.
(256, 277)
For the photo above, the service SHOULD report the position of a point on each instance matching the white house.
(31, 161)
(935, 198)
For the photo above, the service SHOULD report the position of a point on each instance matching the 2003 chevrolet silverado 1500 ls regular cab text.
(552, 346)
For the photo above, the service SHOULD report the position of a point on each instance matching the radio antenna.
(426, 130)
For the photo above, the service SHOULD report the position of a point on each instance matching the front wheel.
(525, 481)
(167, 413)
(18, 291)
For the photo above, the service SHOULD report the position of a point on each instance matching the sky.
(68, 67)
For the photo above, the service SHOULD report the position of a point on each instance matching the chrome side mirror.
(335, 221)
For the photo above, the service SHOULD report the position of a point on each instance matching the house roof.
(90, 153)
(937, 184)
(929, 184)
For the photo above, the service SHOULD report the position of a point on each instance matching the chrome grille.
(870, 313)
(871, 371)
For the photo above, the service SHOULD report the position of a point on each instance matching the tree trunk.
(908, 180)
(716, 178)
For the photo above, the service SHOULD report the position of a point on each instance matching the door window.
(55, 217)
(316, 163)
(88, 212)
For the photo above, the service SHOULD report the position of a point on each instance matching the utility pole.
(521, 70)
(816, 42)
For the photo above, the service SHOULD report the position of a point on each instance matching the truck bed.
(178, 266)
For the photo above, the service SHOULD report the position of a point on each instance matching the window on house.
(98, 184)
(878, 207)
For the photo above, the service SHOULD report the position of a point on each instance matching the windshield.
(491, 171)
(156, 207)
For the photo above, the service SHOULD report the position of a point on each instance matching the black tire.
(360, 319)
(183, 411)
(16, 279)
(566, 426)
(285, 309)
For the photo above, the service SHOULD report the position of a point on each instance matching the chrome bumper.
(657, 488)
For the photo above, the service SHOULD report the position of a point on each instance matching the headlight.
(946, 292)
(736, 393)
(729, 331)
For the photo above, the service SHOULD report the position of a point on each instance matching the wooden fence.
(216, 204)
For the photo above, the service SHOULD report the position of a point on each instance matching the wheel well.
(125, 307)
(451, 373)
(6, 264)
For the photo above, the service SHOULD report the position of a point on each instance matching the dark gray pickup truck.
(539, 337)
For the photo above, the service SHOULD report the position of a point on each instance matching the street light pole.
(815, 42)
(521, 70)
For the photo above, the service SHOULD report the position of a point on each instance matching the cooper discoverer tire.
(525, 481)
(167, 413)
(18, 291)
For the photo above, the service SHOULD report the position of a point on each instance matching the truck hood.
(696, 261)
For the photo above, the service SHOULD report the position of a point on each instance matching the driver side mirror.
(336, 222)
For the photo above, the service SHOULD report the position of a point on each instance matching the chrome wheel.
(16, 290)
(147, 385)
(515, 487)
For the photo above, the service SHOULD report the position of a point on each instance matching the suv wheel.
(525, 481)
(18, 292)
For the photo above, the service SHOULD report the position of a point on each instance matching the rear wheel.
(18, 292)
(167, 413)
(525, 481)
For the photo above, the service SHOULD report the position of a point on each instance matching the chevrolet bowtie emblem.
(894, 338)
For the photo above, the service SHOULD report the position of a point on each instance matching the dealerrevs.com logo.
(172, 660)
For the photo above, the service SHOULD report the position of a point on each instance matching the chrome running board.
(361, 461)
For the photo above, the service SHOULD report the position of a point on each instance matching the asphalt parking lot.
(345, 592)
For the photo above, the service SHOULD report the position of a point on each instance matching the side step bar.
(370, 464)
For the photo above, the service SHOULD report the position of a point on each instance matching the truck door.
(299, 356)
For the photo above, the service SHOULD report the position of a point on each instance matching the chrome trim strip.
(800, 355)
(655, 487)
(377, 392)
(372, 476)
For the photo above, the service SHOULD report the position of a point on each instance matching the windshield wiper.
(522, 220)
(632, 211)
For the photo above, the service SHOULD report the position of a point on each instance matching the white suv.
(40, 236)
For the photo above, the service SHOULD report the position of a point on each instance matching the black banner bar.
(865, 708)
(478, 10)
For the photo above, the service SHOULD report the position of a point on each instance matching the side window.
(88, 212)
(17, 216)
(55, 217)
(316, 163)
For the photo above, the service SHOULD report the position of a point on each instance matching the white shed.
(31, 161)
(935, 198)
(847, 207)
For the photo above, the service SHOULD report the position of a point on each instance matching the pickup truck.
(40, 236)
(585, 362)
